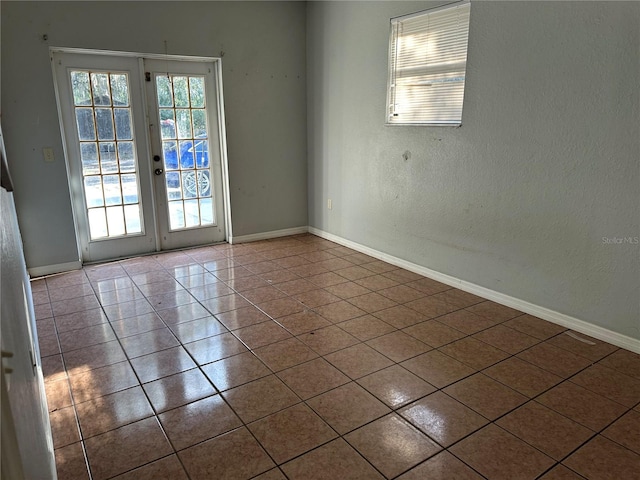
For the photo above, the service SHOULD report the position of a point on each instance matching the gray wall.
(264, 85)
(519, 198)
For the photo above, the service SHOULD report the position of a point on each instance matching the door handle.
(158, 171)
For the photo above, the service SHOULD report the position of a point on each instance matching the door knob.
(158, 171)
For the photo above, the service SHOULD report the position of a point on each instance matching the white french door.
(145, 152)
(187, 153)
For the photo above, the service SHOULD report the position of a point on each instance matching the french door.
(187, 153)
(144, 143)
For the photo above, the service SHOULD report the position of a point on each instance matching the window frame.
(426, 113)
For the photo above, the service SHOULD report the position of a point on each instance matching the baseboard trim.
(595, 331)
(51, 269)
(254, 237)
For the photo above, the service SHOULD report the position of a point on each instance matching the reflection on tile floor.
(298, 358)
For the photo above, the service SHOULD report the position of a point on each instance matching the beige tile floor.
(298, 358)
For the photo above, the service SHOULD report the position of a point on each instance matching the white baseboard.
(254, 237)
(595, 331)
(51, 269)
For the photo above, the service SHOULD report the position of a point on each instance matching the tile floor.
(298, 358)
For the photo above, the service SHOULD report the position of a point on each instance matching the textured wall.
(519, 198)
(264, 86)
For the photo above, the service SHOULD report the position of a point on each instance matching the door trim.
(222, 134)
(217, 65)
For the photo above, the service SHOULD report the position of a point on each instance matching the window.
(107, 152)
(427, 60)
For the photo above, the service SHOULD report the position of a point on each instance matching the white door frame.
(219, 96)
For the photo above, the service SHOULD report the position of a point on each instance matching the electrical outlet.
(47, 154)
(329, 205)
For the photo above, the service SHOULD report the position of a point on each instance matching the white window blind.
(427, 59)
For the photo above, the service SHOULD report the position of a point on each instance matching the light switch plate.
(47, 154)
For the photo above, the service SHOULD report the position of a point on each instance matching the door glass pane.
(189, 184)
(165, 98)
(201, 149)
(129, 189)
(93, 191)
(167, 123)
(109, 168)
(115, 220)
(104, 121)
(100, 85)
(123, 123)
(174, 192)
(183, 117)
(186, 154)
(176, 215)
(132, 218)
(204, 183)
(120, 89)
(199, 124)
(180, 91)
(170, 154)
(191, 213)
(206, 208)
(108, 157)
(86, 127)
(98, 223)
(196, 89)
(183, 120)
(126, 157)
(89, 157)
(112, 189)
(81, 89)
